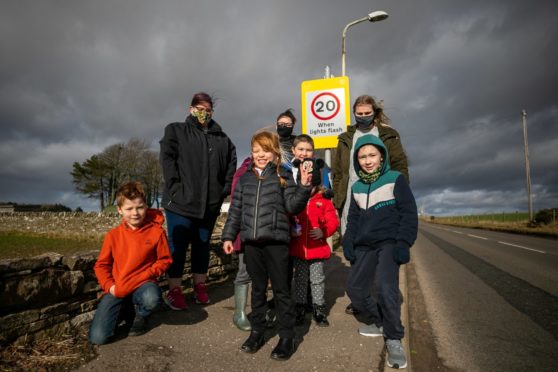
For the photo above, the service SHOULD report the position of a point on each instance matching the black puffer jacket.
(198, 166)
(260, 206)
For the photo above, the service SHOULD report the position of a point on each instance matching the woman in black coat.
(198, 161)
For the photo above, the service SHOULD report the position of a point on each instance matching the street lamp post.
(527, 166)
(376, 16)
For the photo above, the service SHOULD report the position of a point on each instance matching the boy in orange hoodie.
(133, 255)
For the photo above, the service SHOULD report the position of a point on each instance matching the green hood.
(370, 139)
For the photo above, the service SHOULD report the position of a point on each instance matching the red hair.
(270, 142)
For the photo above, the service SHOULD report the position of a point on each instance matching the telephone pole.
(527, 168)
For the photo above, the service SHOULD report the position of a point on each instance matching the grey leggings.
(313, 270)
(242, 276)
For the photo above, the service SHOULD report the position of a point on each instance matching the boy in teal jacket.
(382, 226)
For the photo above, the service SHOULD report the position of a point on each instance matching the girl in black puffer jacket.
(262, 200)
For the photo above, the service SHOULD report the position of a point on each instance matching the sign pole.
(327, 155)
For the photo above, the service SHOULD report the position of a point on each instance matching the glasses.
(285, 125)
(202, 108)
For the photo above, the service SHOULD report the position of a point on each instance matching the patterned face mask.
(370, 177)
(202, 116)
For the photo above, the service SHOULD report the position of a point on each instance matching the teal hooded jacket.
(381, 212)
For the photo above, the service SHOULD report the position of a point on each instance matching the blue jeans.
(145, 299)
(183, 231)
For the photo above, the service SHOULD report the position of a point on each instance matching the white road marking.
(522, 247)
(478, 237)
(457, 232)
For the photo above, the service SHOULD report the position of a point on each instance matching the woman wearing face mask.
(285, 125)
(198, 162)
(370, 119)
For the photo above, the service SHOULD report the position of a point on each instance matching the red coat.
(321, 213)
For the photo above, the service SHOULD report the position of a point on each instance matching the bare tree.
(100, 175)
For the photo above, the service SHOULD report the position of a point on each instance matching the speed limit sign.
(325, 111)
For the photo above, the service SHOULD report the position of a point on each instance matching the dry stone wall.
(54, 293)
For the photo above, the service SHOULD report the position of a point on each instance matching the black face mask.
(284, 131)
(364, 122)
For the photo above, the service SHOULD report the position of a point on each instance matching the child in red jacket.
(133, 255)
(310, 249)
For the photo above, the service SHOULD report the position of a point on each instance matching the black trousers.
(377, 265)
(270, 260)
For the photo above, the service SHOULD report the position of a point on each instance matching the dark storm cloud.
(76, 77)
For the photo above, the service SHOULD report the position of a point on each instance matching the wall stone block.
(51, 293)
(30, 264)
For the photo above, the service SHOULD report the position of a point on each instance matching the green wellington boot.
(240, 299)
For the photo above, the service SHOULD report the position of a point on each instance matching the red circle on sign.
(337, 107)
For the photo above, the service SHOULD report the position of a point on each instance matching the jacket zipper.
(256, 211)
(368, 196)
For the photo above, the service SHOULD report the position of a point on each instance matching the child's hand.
(316, 233)
(112, 289)
(305, 173)
(228, 247)
(401, 255)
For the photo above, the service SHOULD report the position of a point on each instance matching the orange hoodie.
(129, 258)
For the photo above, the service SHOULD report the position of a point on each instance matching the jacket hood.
(246, 162)
(371, 139)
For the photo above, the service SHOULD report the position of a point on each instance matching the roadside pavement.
(203, 338)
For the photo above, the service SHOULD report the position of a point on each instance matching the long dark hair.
(379, 115)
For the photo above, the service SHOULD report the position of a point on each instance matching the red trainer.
(175, 299)
(200, 292)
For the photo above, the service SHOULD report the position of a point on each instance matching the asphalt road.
(203, 338)
(490, 298)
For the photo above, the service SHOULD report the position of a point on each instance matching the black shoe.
(320, 316)
(254, 342)
(270, 318)
(308, 307)
(299, 314)
(284, 349)
(139, 326)
(351, 310)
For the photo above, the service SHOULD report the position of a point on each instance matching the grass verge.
(17, 244)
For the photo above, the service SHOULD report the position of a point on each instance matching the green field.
(492, 217)
(19, 244)
(517, 222)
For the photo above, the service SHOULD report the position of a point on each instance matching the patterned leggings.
(313, 269)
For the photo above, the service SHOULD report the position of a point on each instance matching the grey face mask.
(363, 122)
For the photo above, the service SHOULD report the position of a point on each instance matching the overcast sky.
(78, 76)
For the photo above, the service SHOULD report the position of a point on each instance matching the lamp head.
(377, 16)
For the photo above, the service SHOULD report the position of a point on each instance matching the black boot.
(299, 314)
(254, 342)
(284, 349)
(320, 316)
(139, 327)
